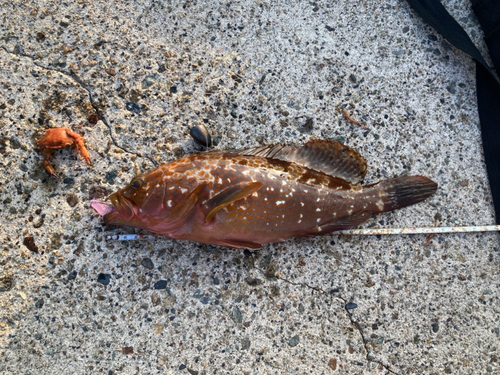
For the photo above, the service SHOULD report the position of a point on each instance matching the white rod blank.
(352, 232)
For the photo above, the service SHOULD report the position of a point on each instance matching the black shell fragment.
(200, 134)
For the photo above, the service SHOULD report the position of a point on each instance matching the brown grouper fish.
(246, 198)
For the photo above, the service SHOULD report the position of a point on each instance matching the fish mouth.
(120, 212)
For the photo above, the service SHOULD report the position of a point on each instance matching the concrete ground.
(133, 77)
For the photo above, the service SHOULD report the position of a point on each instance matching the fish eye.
(136, 183)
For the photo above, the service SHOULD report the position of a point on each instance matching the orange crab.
(57, 138)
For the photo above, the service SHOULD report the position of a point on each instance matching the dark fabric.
(488, 86)
(488, 14)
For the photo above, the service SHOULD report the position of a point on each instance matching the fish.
(247, 198)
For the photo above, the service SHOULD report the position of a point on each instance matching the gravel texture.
(133, 77)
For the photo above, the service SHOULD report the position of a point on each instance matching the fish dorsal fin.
(329, 157)
(230, 195)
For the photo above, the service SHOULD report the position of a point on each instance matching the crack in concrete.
(73, 76)
(356, 324)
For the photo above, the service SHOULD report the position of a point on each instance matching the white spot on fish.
(255, 194)
(380, 205)
(183, 190)
(283, 216)
(169, 203)
(147, 194)
(220, 180)
(318, 220)
(306, 191)
(229, 180)
(281, 190)
(171, 187)
(140, 209)
(265, 199)
(300, 221)
(272, 189)
(302, 203)
(317, 200)
(301, 215)
(279, 202)
(318, 209)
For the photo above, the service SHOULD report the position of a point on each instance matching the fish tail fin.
(400, 192)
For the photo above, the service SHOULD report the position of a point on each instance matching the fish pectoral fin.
(342, 224)
(230, 195)
(178, 216)
(240, 244)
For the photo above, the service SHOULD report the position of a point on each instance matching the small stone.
(237, 316)
(72, 200)
(14, 143)
(128, 350)
(104, 278)
(351, 306)
(308, 126)
(245, 343)
(97, 192)
(111, 176)
(253, 281)
(161, 284)
(182, 367)
(39, 303)
(333, 363)
(294, 341)
(133, 107)
(148, 82)
(6, 283)
(435, 327)
(29, 242)
(461, 277)
(69, 181)
(76, 216)
(72, 275)
(147, 263)
(193, 372)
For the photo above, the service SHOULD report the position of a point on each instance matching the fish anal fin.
(240, 244)
(329, 157)
(342, 224)
(230, 195)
